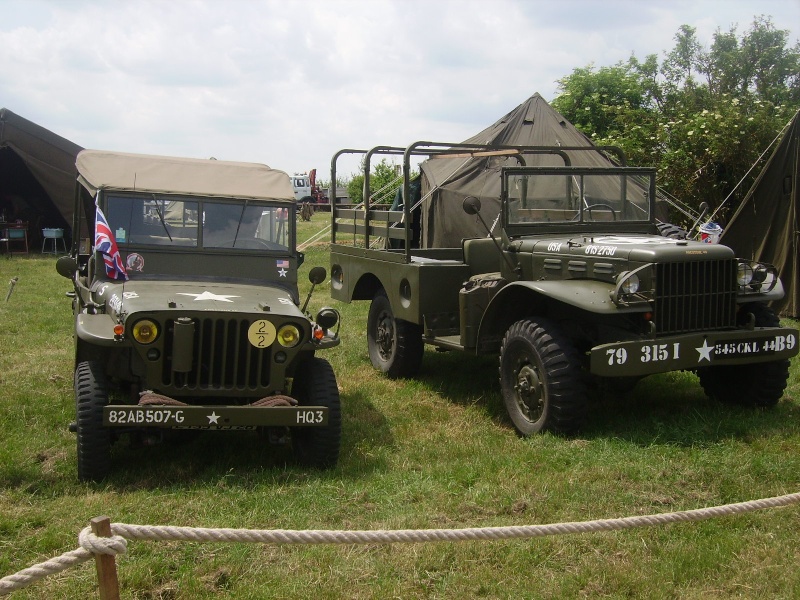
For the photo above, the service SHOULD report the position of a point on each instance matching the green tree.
(701, 117)
(384, 179)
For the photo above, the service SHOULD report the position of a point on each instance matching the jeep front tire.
(315, 385)
(94, 440)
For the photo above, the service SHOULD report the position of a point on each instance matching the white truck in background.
(302, 187)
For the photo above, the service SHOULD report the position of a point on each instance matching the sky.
(289, 83)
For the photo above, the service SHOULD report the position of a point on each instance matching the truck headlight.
(744, 274)
(630, 285)
(627, 283)
(289, 336)
(145, 331)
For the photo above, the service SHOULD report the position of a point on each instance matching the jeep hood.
(147, 296)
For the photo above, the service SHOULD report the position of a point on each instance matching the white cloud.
(289, 83)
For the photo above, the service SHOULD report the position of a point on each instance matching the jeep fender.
(520, 299)
(96, 329)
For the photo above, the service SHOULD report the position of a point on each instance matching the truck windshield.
(575, 196)
(159, 221)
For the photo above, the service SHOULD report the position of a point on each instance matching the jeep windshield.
(568, 196)
(204, 224)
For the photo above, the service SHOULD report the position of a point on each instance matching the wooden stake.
(105, 563)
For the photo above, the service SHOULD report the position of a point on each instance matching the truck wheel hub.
(530, 395)
(384, 337)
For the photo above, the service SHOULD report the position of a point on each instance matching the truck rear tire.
(757, 385)
(94, 440)
(395, 346)
(315, 385)
(541, 379)
(669, 230)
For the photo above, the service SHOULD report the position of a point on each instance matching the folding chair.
(17, 234)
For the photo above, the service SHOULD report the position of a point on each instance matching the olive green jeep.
(187, 309)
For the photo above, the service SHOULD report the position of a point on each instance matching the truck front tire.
(541, 379)
(395, 346)
(94, 440)
(757, 385)
(315, 384)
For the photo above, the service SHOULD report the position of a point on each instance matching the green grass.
(433, 452)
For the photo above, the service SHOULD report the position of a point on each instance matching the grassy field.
(433, 452)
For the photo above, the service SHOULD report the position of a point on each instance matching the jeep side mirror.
(317, 275)
(471, 205)
(66, 266)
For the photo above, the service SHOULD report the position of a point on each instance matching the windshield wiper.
(239, 224)
(161, 218)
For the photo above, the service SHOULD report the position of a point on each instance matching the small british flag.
(105, 243)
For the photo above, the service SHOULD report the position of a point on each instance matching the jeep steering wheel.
(590, 207)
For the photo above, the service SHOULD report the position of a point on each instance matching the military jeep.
(187, 309)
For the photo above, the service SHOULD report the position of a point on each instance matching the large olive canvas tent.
(765, 226)
(447, 181)
(37, 174)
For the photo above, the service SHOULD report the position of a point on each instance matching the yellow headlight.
(288, 336)
(145, 331)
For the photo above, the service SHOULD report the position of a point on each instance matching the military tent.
(447, 181)
(37, 175)
(765, 226)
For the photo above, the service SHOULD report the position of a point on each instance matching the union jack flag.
(105, 243)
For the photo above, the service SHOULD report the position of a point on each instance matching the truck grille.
(222, 358)
(695, 296)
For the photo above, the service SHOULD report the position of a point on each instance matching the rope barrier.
(92, 544)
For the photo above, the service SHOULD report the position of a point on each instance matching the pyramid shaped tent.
(765, 226)
(447, 181)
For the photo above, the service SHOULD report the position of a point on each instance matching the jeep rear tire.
(757, 385)
(541, 380)
(315, 385)
(395, 346)
(94, 440)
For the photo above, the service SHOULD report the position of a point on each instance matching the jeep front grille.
(223, 358)
(695, 296)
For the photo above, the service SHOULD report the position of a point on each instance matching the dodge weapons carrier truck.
(187, 311)
(573, 283)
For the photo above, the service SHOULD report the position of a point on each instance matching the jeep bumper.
(692, 351)
(213, 417)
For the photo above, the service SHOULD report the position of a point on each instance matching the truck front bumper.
(693, 350)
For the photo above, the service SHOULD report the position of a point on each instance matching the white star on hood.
(210, 296)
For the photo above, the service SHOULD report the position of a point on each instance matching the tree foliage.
(384, 179)
(702, 117)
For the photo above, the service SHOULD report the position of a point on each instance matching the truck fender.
(519, 299)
